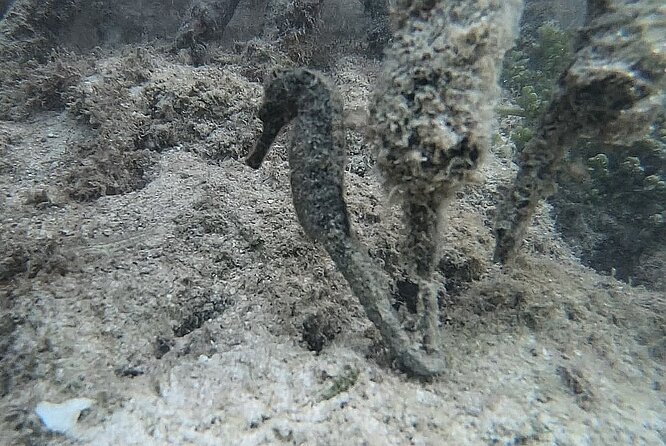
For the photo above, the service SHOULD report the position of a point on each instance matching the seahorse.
(612, 91)
(317, 160)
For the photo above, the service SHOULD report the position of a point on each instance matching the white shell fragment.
(62, 417)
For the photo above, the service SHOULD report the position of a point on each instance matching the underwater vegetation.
(530, 74)
(613, 211)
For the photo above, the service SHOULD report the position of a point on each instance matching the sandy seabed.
(192, 309)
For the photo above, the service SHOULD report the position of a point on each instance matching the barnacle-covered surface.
(194, 310)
